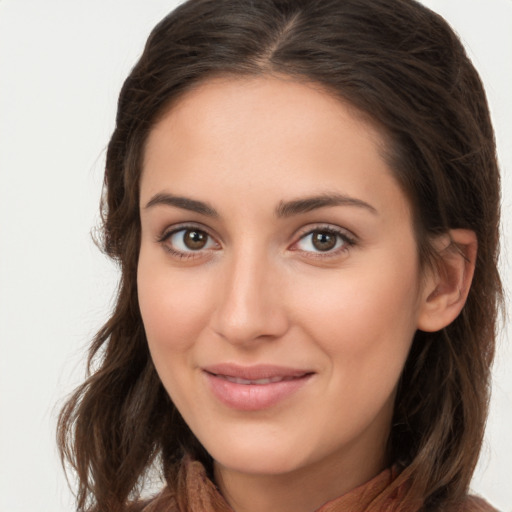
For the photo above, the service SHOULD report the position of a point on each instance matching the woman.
(303, 198)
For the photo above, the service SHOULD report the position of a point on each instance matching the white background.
(62, 63)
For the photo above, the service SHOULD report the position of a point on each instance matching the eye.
(186, 241)
(324, 240)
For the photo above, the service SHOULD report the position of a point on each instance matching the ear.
(447, 285)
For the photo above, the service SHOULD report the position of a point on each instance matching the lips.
(271, 380)
(251, 388)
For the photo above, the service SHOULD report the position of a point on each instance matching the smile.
(254, 388)
(238, 380)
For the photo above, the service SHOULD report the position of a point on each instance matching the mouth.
(251, 388)
(258, 382)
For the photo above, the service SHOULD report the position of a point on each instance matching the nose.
(251, 304)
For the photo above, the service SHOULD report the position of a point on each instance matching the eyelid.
(322, 226)
(169, 231)
(349, 239)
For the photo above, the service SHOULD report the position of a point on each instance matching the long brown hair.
(403, 67)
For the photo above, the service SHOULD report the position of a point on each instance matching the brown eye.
(324, 240)
(194, 239)
(188, 240)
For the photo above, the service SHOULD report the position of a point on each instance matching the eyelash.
(347, 241)
(182, 255)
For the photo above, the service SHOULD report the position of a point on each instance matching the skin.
(260, 292)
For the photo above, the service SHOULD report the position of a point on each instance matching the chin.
(257, 459)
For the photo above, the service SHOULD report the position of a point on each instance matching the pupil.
(195, 239)
(324, 241)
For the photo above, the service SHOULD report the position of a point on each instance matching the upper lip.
(255, 372)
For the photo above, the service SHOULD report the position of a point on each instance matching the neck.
(303, 490)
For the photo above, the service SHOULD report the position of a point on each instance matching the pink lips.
(251, 388)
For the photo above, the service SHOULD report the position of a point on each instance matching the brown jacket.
(195, 492)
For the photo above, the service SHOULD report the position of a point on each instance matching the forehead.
(272, 100)
(265, 133)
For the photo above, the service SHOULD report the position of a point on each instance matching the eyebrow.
(184, 203)
(284, 209)
(307, 204)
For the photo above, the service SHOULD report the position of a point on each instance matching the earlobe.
(447, 286)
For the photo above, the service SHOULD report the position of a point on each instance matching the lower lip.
(254, 397)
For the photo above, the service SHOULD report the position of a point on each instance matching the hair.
(402, 66)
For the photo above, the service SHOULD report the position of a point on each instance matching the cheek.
(173, 310)
(364, 317)
(364, 324)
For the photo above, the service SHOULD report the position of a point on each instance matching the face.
(278, 279)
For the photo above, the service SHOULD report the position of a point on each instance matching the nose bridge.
(250, 303)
